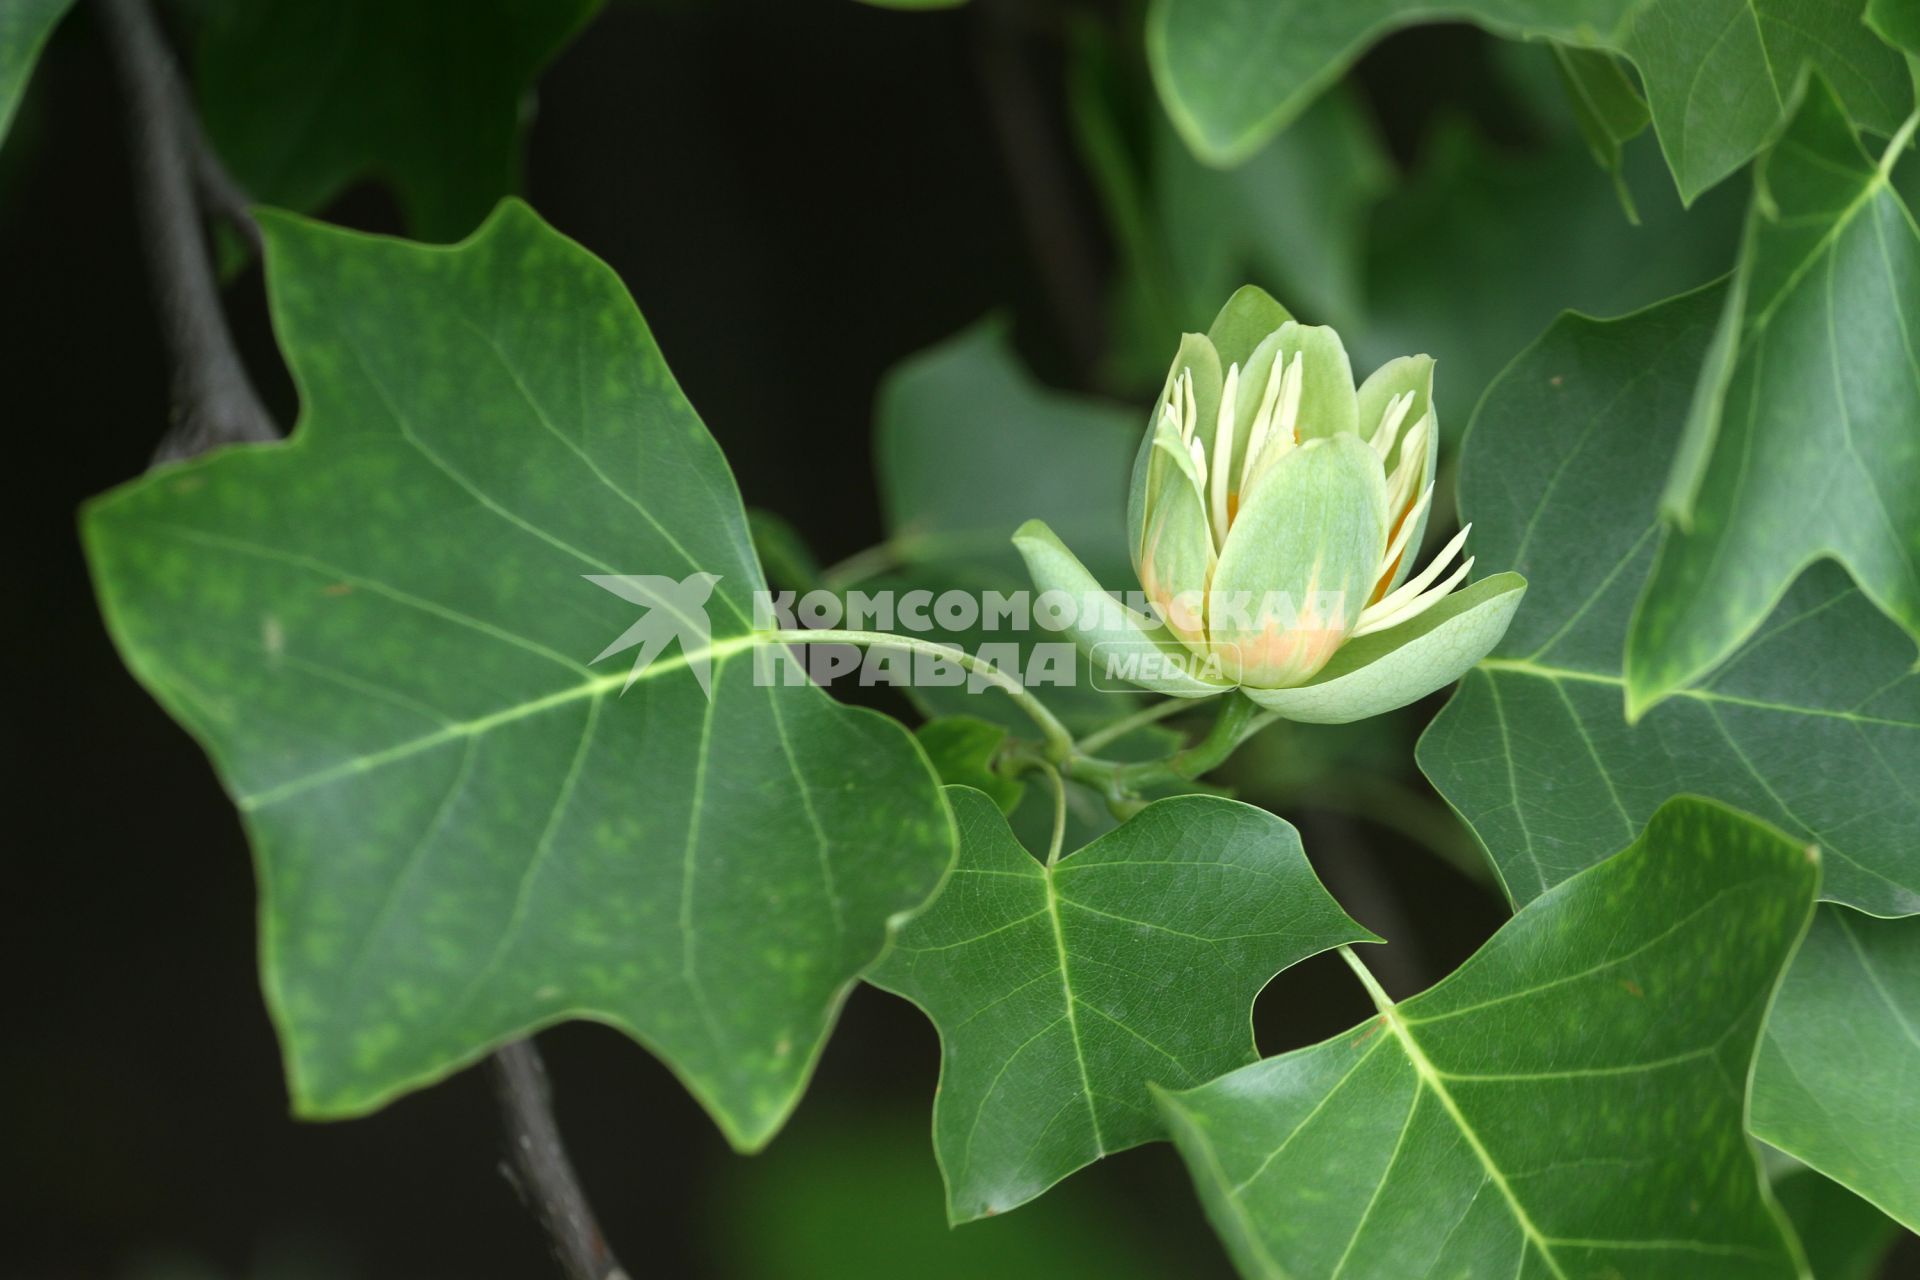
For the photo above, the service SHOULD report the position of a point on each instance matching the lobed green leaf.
(24, 28)
(1062, 991)
(382, 633)
(1718, 73)
(1814, 724)
(1568, 1103)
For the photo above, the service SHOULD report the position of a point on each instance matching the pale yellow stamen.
(1414, 597)
(1223, 451)
(1390, 424)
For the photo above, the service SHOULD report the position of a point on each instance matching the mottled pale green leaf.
(1804, 440)
(1837, 1083)
(24, 28)
(1566, 1104)
(1061, 992)
(304, 97)
(1718, 73)
(382, 633)
(1813, 725)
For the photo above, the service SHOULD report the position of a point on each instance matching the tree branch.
(178, 179)
(541, 1170)
(214, 401)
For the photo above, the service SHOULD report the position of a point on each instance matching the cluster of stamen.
(1418, 593)
(1275, 432)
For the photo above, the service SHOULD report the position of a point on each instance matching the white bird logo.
(674, 608)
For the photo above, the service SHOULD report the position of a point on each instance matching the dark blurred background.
(799, 195)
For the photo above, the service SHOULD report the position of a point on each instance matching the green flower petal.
(1389, 669)
(1300, 563)
(1408, 373)
(1249, 316)
(1116, 632)
(1328, 406)
(1196, 354)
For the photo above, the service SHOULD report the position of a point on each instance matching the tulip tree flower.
(1275, 516)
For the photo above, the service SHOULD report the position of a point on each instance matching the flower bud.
(1275, 515)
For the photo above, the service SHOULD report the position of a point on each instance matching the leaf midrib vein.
(1521, 666)
(1431, 1080)
(1073, 1020)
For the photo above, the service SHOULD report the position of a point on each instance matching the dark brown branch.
(178, 179)
(220, 196)
(214, 401)
(541, 1169)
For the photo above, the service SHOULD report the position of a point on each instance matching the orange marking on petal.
(1386, 578)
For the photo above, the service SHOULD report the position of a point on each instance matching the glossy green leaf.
(383, 634)
(1062, 991)
(1566, 1104)
(784, 554)
(304, 97)
(24, 28)
(1843, 1236)
(1837, 1083)
(1561, 476)
(1897, 21)
(963, 749)
(1292, 218)
(1804, 440)
(1512, 238)
(969, 445)
(1607, 106)
(1717, 73)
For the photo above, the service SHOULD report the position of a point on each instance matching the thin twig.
(221, 196)
(179, 178)
(214, 401)
(541, 1169)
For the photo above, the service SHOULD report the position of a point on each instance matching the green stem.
(861, 565)
(1901, 137)
(1059, 811)
(1127, 724)
(1381, 1000)
(1239, 718)
(1059, 742)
